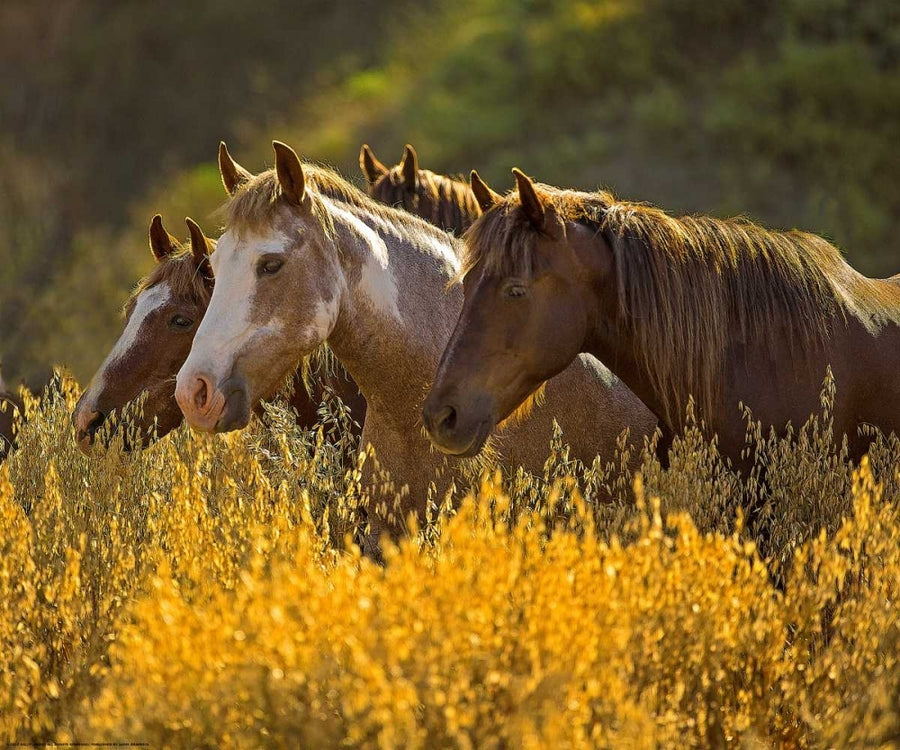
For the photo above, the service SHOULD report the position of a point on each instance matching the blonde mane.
(688, 287)
(257, 203)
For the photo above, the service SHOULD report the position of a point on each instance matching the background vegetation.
(787, 111)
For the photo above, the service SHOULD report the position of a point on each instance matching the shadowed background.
(787, 112)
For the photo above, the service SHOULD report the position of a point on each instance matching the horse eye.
(269, 267)
(515, 290)
(179, 321)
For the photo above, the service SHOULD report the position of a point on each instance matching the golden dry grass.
(204, 594)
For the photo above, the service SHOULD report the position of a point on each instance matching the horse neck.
(616, 344)
(617, 350)
(397, 313)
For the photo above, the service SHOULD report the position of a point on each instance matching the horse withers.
(161, 319)
(718, 311)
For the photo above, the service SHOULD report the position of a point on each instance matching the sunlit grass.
(206, 592)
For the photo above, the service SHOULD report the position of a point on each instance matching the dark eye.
(515, 290)
(269, 266)
(179, 321)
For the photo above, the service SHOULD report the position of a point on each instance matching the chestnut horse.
(162, 316)
(307, 258)
(718, 311)
(11, 409)
(446, 202)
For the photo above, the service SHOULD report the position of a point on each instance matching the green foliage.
(788, 112)
(103, 105)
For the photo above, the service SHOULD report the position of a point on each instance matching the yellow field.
(204, 594)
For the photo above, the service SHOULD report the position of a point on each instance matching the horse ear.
(409, 167)
(201, 246)
(531, 203)
(370, 166)
(290, 173)
(233, 174)
(162, 244)
(485, 197)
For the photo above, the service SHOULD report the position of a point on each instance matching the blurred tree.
(788, 112)
(102, 102)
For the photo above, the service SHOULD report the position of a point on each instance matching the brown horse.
(446, 202)
(161, 317)
(718, 311)
(307, 258)
(11, 409)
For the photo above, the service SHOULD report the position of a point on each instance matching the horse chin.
(476, 446)
(236, 412)
(85, 444)
(463, 448)
(99, 442)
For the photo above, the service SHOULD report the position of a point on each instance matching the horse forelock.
(696, 280)
(180, 272)
(502, 241)
(256, 207)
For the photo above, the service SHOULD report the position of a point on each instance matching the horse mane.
(257, 203)
(688, 287)
(446, 202)
(180, 272)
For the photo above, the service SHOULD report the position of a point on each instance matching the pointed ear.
(290, 173)
(486, 197)
(409, 167)
(233, 174)
(201, 246)
(162, 244)
(370, 166)
(531, 203)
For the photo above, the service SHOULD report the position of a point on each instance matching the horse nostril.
(446, 419)
(203, 393)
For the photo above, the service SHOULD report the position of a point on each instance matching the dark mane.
(444, 201)
(180, 272)
(688, 286)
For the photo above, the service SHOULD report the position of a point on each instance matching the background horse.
(161, 318)
(307, 258)
(719, 311)
(444, 201)
(11, 409)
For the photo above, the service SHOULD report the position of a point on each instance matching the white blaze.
(147, 302)
(227, 324)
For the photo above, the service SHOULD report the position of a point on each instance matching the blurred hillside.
(787, 112)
